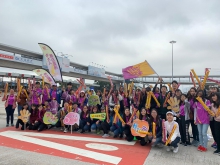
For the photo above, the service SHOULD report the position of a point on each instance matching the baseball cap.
(170, 112)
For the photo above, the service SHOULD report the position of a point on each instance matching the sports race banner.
(52, 62)
(47, 76)
(100, 116)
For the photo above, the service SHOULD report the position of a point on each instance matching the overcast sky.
(117, 34)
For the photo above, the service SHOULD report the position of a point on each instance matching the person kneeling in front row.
(175, 138)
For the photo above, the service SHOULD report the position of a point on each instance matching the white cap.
(82, 92)
(170, 112)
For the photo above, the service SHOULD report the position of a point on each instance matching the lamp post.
(172, 42)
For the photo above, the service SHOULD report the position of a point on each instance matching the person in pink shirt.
(201, 119)
(10, 105)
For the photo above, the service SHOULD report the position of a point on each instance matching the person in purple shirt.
(10, 105)
(55, 94)
(46, 93)
(201, 119)
(35, 94)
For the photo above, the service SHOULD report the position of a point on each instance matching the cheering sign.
(71, 118)
(49, 118)
(140, 128)
(24, 115)
(100, 116)
(94, 100)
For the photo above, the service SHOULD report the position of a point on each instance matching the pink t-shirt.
(202, 116)
(182, 112)
(11, 99)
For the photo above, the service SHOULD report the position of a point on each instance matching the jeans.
(175, 142)
(203, 138)
(19, 109)
(158, 140)
(115, 130)
(10, 114)
(95, 126)
(83, 125)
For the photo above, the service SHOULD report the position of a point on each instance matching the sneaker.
(121, 136)
(7, 125)
(65, 130)
(168, 148)
(160, 145)
(176, 150)
(98, 132)
(12, 125)
(82, 131)
(105, 135)
(217, 152)
(17, 125)
(93, 130)
(204, 149)
(199, 148)
(153, 145)
(115, 136)
(61, 129)
(214, 144)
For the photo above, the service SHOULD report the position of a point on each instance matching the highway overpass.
(75, 69)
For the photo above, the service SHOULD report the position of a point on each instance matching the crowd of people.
(62, 101)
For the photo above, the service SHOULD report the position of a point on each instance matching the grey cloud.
(118, 33)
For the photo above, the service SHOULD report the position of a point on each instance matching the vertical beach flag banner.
(52, 62)
(47, 76)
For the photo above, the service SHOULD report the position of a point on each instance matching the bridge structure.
(17, 58)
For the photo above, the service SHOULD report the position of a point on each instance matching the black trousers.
(143, 141)
(39, 126)
(217, 134)
(127, 132)
(19, 121)
(184, 129)
(194, 130)
(10, 114)
(105, 127)
(212, 127)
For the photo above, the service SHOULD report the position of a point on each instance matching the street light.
(172, 42)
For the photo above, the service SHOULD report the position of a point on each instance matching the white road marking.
(78, 151)
(80, 138)
(103, 147)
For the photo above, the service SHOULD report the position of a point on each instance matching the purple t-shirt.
(191, 102)
(54, 94)
(36, 96)
(182, 112)
(202, 116)
(73, 98)
(45, 95)
(11, 99)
